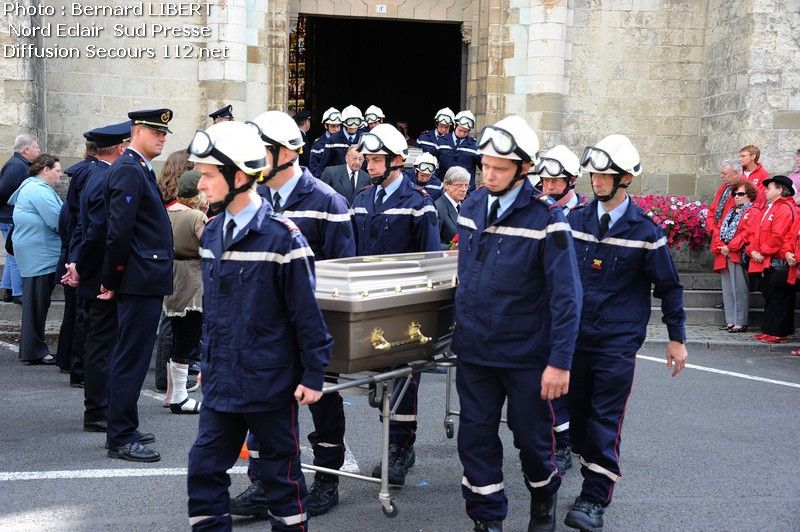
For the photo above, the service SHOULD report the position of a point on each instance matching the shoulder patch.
(289, 224)
(420, 189)
(546, 200)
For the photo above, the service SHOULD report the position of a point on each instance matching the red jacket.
(757, 177)
(712, 225)
(742, 237)
(774, 230)
(792, 244)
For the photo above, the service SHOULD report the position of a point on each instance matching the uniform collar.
(506, 200)
(392, 187)
(243, 217)
(142, 157)
(616, 213)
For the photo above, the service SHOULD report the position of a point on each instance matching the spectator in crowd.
(184, 307)
(795, 177)
(729, 242)
(730, 173)
(768, 240)
(347, 178)
(402, 127)
(174, 167)
(456, 184)
(753, 171)
(13, 173)
(303, 121)
(37, 247)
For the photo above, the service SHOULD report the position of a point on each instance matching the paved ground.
(705, 451)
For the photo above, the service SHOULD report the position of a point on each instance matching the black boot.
(563, 457)
(400, 461)
(585, 515)
(252, 502)
(543, 515)
(323, 494)
(488, 526)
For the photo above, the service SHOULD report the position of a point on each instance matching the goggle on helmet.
(503, 143)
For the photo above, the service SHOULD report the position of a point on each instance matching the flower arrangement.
(683, 221)
(454, 242)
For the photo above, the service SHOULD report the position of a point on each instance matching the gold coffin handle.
(414, 336)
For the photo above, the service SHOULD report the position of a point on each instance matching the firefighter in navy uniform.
(323, 217)
(393, 215)
(557, 171)
(374, 116)
(428, 141)
(424, 175)
(265, 345)
(517, 314)
(337, 145)
(458, 148)
(332, 122)
(222, 115)
(137, 271)
(622, 254)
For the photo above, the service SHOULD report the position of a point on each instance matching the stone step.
(710, 298)
(711, 316)
(699, 281)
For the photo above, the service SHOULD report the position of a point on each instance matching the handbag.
(9, 242)
(779, 272)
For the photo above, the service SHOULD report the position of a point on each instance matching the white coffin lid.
(379, 277)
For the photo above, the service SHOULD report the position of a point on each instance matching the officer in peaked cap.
(107, 136)
(138, 274)
(222, 115)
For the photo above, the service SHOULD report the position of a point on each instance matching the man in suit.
(137, 272)
(303, 121)
(456, 184)
(347, 178)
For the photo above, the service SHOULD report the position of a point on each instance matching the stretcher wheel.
(449, 427)
(391, 511)
(373, 399)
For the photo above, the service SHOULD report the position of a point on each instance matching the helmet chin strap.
(617, 185)
(229, 172)
(518, 176)
(560, 196)
(389, 169)
(276, 150)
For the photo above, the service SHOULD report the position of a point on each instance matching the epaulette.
(579, 206)
(548, 202)
(290, 225)
(420, 189)
(649, 215)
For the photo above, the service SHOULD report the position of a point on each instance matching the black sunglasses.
(740, 194)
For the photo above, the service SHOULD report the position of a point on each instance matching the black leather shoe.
(488, 526)
(543, 515)
(252, 502)
(585, 515)
(95, 426)
(145, 438)
(7, 297)
(76, 385)
(563, 458)
(401, 459)
(134, 452)
(323, 494)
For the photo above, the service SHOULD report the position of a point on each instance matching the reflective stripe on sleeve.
(403, 417)
(535, 234)
(466, 222)
(429, 143)
(482, 490)
(599, 469)
(412, 212)
(435, 187)
(318, 215)
(331, 146)
(358, 210)
(562, 427)
(543, 483)
(206, 253)
(197, 518)
(469, 150)
(268, 256)
(622, 242)
(328, 445)
(254, 454)
(290, 520)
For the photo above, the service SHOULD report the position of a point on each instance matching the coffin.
(384, 310)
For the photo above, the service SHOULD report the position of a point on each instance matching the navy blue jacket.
(465, 155)
(518, 301)
(336, 148)
(263, 333)
(406, 221)
(315, 155)
(427, 141)
(617, 273)
(68, 218)
(13, 173)
(434, 187)
(138, 254)
(87, 247)
(322, 215)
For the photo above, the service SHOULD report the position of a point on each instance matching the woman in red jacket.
(767, 252)
(733, 235)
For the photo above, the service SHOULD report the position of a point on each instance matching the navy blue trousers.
(219, 439)
(561, 409)
(327, 440)
(482, 391)
(599, 387)
(137, 321)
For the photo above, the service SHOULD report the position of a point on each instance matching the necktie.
(276, 202)
(228, 234)
(492, 213)
(604, 221)
(355, 180)
(458, 208)
(379, 197)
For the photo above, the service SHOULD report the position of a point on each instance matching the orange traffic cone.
(244, 454)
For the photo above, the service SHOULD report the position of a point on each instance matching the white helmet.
(559, 161)
(426, 162)
(332, 116)
(466, 119)
(373, 114)
(445, 116)
(276, 129)
(229, 143)
(510, 138)
(351, 113)
(615, 154)
(383, 139)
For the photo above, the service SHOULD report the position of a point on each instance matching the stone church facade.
(690, 81)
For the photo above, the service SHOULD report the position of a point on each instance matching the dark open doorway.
(408, 69)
